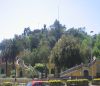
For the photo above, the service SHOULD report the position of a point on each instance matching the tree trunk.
(14, 67)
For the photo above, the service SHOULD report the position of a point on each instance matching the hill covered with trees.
(56, 44)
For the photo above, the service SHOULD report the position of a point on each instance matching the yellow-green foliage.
(55, 82)
(7, 84)
(79, 82)
(96, 81)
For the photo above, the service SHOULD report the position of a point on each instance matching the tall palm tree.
(5, 46)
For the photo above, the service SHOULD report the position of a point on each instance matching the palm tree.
(5, 46)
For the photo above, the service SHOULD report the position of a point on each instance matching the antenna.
(58, 8)
(58, 12)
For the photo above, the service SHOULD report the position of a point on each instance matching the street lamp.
(91, 54)
(91, 44)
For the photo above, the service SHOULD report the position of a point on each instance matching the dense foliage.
(96, 81)
(65, 48)
(78, 82)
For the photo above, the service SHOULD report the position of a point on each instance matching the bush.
(96, 81)
(78, 82)
(55, 82)
(7, 84)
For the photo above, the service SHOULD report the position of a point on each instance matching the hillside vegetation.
(56, 44)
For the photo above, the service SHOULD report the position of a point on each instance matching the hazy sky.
(15, 15)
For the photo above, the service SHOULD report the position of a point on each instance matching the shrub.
(55, 82)
(7, 84)
(96, 81)
(78, 82)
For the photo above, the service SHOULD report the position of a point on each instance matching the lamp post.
(91, 54)
(91, 44)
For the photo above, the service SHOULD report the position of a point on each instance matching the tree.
(41, 68)
(57, 29)
(85, 50)
(27, 31)
(19, 41)
(34, 40)
(78, 32)
(43, 51)
(66, 53)
(5, 52)
(96, 48)
(30, 57)
(14, 51)
(9, 52)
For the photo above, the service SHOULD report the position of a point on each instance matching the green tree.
(57, 29)
(25, 55)
(78, 32)
(41, 68)
(66, 53)
(14, 51)
(27, 31)
(18, 39)
(96, 48)
(30, 57)
(5, 52)
(85, 50)
(44, 51)
(34, 41)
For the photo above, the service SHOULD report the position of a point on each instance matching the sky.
(15, 15)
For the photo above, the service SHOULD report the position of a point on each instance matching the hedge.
(7, 84)
(96, 81)
(78, 82)
(55, 82)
